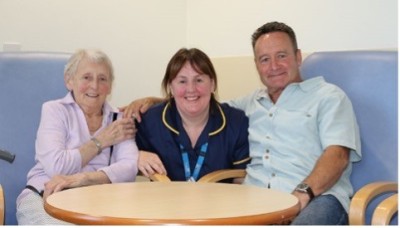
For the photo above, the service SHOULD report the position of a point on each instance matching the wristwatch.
(305, 188)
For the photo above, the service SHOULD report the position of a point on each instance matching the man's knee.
(322, 210)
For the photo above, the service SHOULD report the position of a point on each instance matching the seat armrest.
(385, 211)
(210, 177)
(160, 178)
(222, 175)
(362, 198)
(1, 206)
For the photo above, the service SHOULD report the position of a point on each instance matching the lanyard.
(199, 163)
(203, 149)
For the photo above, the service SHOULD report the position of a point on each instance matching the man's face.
(276, 61)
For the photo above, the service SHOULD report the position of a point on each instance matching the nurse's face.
(192, 91)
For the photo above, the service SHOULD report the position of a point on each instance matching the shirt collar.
(305, 86)
(311, 83)
(108, 110)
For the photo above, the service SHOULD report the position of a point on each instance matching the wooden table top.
(172, 203)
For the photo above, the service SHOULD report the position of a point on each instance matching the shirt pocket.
(300, 123)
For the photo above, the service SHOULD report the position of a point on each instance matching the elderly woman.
(78, 142)
(191, 134)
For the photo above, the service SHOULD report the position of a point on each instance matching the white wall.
(224, 27)
(141, 35)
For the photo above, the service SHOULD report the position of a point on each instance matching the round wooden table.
(172, 203)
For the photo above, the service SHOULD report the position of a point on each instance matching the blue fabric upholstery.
(27, 79)
(369, 78)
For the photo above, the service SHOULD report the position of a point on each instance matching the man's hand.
(303, 198)
(139, 106)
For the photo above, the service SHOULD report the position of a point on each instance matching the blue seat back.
(369, 78)
(27, 79)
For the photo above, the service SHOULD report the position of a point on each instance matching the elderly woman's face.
(91, 84)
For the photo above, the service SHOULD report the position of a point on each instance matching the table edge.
(278, 217)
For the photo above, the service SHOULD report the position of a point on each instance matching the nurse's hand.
(149, 163)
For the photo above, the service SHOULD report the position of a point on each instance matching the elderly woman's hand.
(60, 182)
(117, 131)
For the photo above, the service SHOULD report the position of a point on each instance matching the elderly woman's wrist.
(98, 144)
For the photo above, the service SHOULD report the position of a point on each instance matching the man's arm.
(139, 106)
(326, 173)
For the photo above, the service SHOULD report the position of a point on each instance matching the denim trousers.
(322, 210)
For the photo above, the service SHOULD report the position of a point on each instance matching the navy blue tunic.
(227, 149)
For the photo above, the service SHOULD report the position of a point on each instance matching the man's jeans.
(322, 210)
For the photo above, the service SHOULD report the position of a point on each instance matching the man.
(303, 135)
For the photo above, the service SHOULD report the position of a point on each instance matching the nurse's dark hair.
(200, 62)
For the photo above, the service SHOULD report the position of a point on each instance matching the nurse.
(191, 134)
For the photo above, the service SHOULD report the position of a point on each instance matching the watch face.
(302, 186)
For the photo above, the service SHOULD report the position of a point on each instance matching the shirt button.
(267, 150)
(273, 174)
(270, 115)
(266, 156)
(267, 137)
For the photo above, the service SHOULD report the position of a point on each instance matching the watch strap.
(98, 144)
(305, 188)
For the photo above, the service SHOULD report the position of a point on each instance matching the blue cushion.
(369, 78)
(27, 79)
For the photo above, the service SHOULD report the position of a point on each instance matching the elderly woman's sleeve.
(51, 142)
(124, 159)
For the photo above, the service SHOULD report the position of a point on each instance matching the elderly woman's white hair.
(93, 55)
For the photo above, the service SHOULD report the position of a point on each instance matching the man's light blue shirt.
(287, 138)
